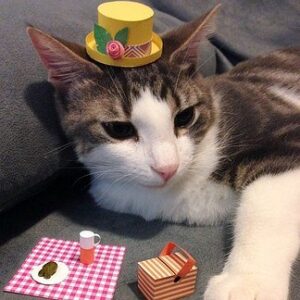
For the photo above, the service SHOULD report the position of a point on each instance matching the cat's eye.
(120, 130)
(184, 118)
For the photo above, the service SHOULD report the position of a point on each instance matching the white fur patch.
(123, 180)
(153, 121)
(266, 242)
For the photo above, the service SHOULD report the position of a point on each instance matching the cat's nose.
(166, 172)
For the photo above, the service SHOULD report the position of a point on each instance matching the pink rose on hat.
(107, 44)
(115, 49)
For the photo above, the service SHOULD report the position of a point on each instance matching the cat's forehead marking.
(151, 115)
(149, 106)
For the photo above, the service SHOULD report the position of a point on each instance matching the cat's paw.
(228, 286)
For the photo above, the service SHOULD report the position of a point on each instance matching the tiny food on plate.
(48, 270)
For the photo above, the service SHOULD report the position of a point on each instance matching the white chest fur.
(195, 202)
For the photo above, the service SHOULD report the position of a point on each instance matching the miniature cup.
(87, 246)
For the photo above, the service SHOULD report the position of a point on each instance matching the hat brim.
(156, 51)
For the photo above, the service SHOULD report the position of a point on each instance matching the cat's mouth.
(156, 186)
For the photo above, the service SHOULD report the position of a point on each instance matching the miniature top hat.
(123, 36)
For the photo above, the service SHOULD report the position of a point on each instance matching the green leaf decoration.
(102, 37)
(122, 36)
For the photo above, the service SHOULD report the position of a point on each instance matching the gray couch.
(36, 168)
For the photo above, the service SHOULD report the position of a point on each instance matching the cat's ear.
(181, 45)
(63, 64)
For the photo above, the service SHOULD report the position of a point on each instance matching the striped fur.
(267, 140)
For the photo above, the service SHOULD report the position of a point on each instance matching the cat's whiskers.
(194, 169)
(95, 175)
(125, 96)
(80, 178)
(199, 67)
(115, 85)
(60, 148)
(115, 172)
(108, 91)
(80, 167)
(118, 88)
(130, 178)
(181, 70)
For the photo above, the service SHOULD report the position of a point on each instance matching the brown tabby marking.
(264, 129)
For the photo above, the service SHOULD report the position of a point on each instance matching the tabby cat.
(163, 142)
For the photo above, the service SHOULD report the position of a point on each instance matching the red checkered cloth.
(95, 281)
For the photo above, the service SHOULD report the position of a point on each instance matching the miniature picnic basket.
(171, 275)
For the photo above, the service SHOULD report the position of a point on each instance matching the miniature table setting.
(59, 269)
(86, 270)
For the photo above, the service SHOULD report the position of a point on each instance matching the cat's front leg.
(266, 242)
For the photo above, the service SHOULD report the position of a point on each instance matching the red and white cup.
(87, 246)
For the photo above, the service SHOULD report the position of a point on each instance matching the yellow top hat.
(123, 36)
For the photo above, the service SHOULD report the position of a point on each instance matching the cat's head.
(140, 125)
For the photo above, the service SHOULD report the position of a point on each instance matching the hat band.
(142, 50)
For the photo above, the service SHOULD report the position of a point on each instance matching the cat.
(161, 141)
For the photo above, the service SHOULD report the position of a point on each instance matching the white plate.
(60, 275)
